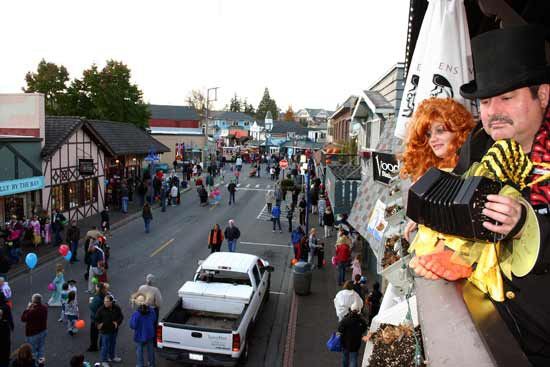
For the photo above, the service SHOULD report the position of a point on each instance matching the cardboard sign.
(384, 167)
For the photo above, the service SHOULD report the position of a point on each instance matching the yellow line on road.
(164, 245)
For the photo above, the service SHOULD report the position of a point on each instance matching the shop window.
(59, 198)
(95, 189)
(73, 194)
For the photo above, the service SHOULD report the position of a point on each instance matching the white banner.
(442, 60)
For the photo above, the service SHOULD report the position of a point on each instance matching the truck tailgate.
(196, 340)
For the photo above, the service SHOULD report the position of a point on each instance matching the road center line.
(164, 245)
(262, 244)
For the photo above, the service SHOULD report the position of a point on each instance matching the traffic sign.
(283, 163)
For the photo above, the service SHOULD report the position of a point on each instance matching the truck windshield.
(223, 276)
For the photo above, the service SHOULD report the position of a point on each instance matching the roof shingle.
(126, 138)
(58, 129)
(166, 112)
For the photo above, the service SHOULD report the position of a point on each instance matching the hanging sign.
(22, 185)
(86, 167)
(384, 167)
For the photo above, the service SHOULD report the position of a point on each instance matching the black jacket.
(232, 233)
(352, 327)
(530, 307)
(107, 317)
(73, 233)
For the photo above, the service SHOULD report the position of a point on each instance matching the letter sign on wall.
(384, 166)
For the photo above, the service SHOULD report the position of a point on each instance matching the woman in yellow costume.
(438, 128)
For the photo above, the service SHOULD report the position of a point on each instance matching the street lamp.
(268, 126)
(208, 100)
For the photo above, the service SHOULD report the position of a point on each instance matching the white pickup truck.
(209, 324)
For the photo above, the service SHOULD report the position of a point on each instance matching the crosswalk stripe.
(238, 185)
(248, 185)
(268, 186)
(258, 185)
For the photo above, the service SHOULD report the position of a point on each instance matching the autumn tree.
(289, 114)
(51, 80)
(197, 100)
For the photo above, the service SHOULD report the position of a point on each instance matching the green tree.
(51, 80)
(267, 104)
(248, 108)
(289, 114)
(235, 104)
(107, 94)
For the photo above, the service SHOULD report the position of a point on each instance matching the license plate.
(195, 357)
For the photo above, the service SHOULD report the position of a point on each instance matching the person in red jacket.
(215, 239)
(343, 257)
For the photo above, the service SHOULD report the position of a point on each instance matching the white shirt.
(343, 301)
(174, 191)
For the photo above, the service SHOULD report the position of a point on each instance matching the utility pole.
(206, 149)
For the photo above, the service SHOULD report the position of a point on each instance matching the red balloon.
(63, 250)
(80, 324)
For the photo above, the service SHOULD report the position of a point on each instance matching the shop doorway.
(14, 205)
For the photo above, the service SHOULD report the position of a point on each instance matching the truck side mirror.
(269, 268)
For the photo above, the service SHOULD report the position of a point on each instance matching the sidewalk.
(314, 318)
(46, 253)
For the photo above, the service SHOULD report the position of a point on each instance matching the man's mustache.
(501, 119)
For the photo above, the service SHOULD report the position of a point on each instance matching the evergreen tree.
(248, 108)
(50, 80)
(267, 104)
(235, 104)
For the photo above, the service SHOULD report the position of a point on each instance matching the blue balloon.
(68, 256)
(31, 260)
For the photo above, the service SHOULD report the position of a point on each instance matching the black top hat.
(507, 59)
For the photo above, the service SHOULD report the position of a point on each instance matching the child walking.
(71, 312)
(356, 266)
(58, 281)
(64, 298)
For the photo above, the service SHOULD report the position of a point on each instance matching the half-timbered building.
(73, 167)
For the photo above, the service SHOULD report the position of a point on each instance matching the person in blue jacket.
(276, 217)
(143, 324)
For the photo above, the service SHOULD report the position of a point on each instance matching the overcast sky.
(310, 54)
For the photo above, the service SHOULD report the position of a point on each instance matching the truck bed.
(202, 319)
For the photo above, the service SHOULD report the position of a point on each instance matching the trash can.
(301, 274)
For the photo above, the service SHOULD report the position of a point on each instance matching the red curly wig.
(418, 156)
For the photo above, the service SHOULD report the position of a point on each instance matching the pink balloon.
(51, 287)
(63, 250)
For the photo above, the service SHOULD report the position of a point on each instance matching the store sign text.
(385, 167)
(22, 185)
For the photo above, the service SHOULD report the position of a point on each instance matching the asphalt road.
(178, 239)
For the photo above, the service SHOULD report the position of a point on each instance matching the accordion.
(452, 205)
